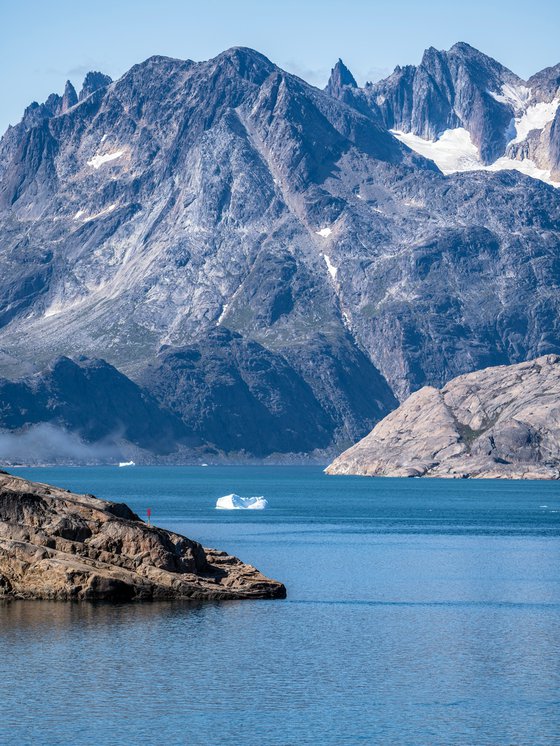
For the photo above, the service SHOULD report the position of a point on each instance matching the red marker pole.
(149, 511)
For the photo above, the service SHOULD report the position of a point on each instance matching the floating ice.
(234, 502)
(126, 463)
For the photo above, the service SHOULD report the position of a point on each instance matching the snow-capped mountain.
(267, 260)
(467, 112)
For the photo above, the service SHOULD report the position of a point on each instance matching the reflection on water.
(426, 637)
(279, 673)
(21, 619)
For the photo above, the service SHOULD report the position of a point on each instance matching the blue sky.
(44, 43)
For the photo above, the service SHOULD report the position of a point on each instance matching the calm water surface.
(419, 612)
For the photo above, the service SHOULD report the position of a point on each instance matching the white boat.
(126, 463)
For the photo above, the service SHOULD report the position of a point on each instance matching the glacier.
(454, 152)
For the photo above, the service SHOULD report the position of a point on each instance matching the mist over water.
(46, 443)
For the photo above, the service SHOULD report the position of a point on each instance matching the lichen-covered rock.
(58, 545)
(501, 422)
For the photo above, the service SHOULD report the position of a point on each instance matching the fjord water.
(418, 612)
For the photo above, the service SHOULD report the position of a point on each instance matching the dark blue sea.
(418, 612)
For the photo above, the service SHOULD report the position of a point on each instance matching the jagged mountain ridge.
(480, 112)
(229, 194)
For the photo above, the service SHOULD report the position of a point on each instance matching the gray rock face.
(554, 146)
(69, 98)
(545, 84)
(58, 545)
(340, 77)
(189, 197)
(457, 88)
(499, 422)
(463, 88)
(93, 82)
(542, 144)
(234, 244)
(240, 396)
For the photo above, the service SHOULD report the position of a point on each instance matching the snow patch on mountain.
(535, 117)
(526, 166)
(330, 266)
(100, 214)
(516, 96)
(324, 232)
(99, 160)
(222, 315)
(454, 151)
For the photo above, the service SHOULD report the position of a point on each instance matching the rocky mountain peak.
(464, 48)
(69, 98)
(191, 198)
(431, 54)
(93, 82)
(245, 62)
(468, 52)
(456, 89)
(545, 84)
(491, 72)
(340, 77)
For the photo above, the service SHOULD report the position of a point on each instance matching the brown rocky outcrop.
(501, 422)
(58, 545)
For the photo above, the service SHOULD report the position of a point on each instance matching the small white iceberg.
(126, 463)
(234, 502)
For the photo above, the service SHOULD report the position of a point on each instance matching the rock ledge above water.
(55, 544)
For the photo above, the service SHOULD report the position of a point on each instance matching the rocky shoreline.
(496, 423)
(58, 545)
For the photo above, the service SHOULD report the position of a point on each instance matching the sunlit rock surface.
(264, 259)
(58, 545)
(501, 422)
